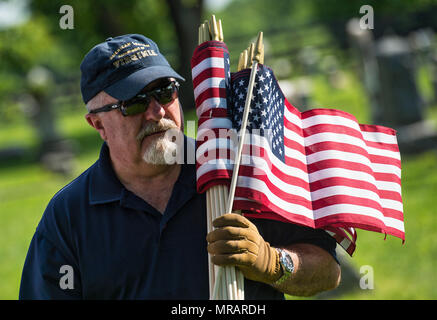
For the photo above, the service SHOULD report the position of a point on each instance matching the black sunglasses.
(139, 104)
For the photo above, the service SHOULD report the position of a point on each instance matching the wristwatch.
(287, 265)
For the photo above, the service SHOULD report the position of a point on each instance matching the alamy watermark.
(67, 280)
(367, 20)
(367, 279)
(67, 20)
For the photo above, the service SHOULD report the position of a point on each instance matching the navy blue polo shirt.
(98, 240)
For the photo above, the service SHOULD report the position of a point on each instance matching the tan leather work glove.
(236, 241)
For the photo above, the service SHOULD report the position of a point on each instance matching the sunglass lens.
(166, 95)
(135, 108)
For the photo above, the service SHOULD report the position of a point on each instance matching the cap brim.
(128, 87)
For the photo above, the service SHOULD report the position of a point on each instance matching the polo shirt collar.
(104, 185)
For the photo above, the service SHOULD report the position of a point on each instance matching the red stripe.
(322, 128)
(254, 172)
(383, 146)
(395, 214)
(333, 145)
(378, 129)
(336, 163)
(291, 108)
(290, 198)
(342, 181)
(250, 170)
(208, 73)
(262, 198)
(209, 93)
(384, 160)
(389, 177)
(330, 112)
(349, 219)
(395, 232)
(345, 199)
(212, 113)
(390, 195)
(292, 127)
(211, 52)
(216, 177)
(294, 145)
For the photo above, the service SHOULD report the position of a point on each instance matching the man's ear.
(96, 122)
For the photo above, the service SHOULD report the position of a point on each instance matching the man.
(132, 226)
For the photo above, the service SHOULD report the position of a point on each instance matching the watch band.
(287, 266)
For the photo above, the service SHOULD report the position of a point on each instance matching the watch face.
(287, 262)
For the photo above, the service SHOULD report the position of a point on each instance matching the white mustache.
(153, 127)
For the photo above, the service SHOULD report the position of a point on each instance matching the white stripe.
(253, 159)
(211, 146)
(379, 137)
(335, 154)
(384, 153)
(340, 172)
(329, 119)
(294, 136)
(211, 103)
(394, 223)
(262, 165)
(345, 243)
(388, 186)
(349, 209)
(386, 168)
(293, 118)
(347, 191)
(294, 154)
(334, 137)
(260, 186)
(392, 204)
(207, 63)
(215, 123)
(209, 83)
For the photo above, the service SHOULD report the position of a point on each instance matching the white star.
(241, 83)
(261, 78)
(241, 96)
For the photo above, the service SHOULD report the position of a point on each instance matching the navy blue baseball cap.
(122, 66)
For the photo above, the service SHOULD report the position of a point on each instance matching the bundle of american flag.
(319, 168)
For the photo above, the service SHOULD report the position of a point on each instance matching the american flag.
(318, 168)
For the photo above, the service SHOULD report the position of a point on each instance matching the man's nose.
(155, 111)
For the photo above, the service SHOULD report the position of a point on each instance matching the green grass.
(400, 271)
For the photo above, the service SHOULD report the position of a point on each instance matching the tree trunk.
(186, 16)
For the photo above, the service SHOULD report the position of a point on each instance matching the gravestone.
(400, 99)
(54, 152)
(389, 76)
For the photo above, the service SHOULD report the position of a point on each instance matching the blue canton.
(267, 107)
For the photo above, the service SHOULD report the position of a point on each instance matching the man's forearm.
(315, 270)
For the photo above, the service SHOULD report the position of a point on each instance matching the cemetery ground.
(400, 271)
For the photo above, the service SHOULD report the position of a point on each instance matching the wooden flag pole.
(227, 283)
(254, 56)
(228, 288)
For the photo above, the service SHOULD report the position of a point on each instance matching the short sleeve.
(47, 274)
